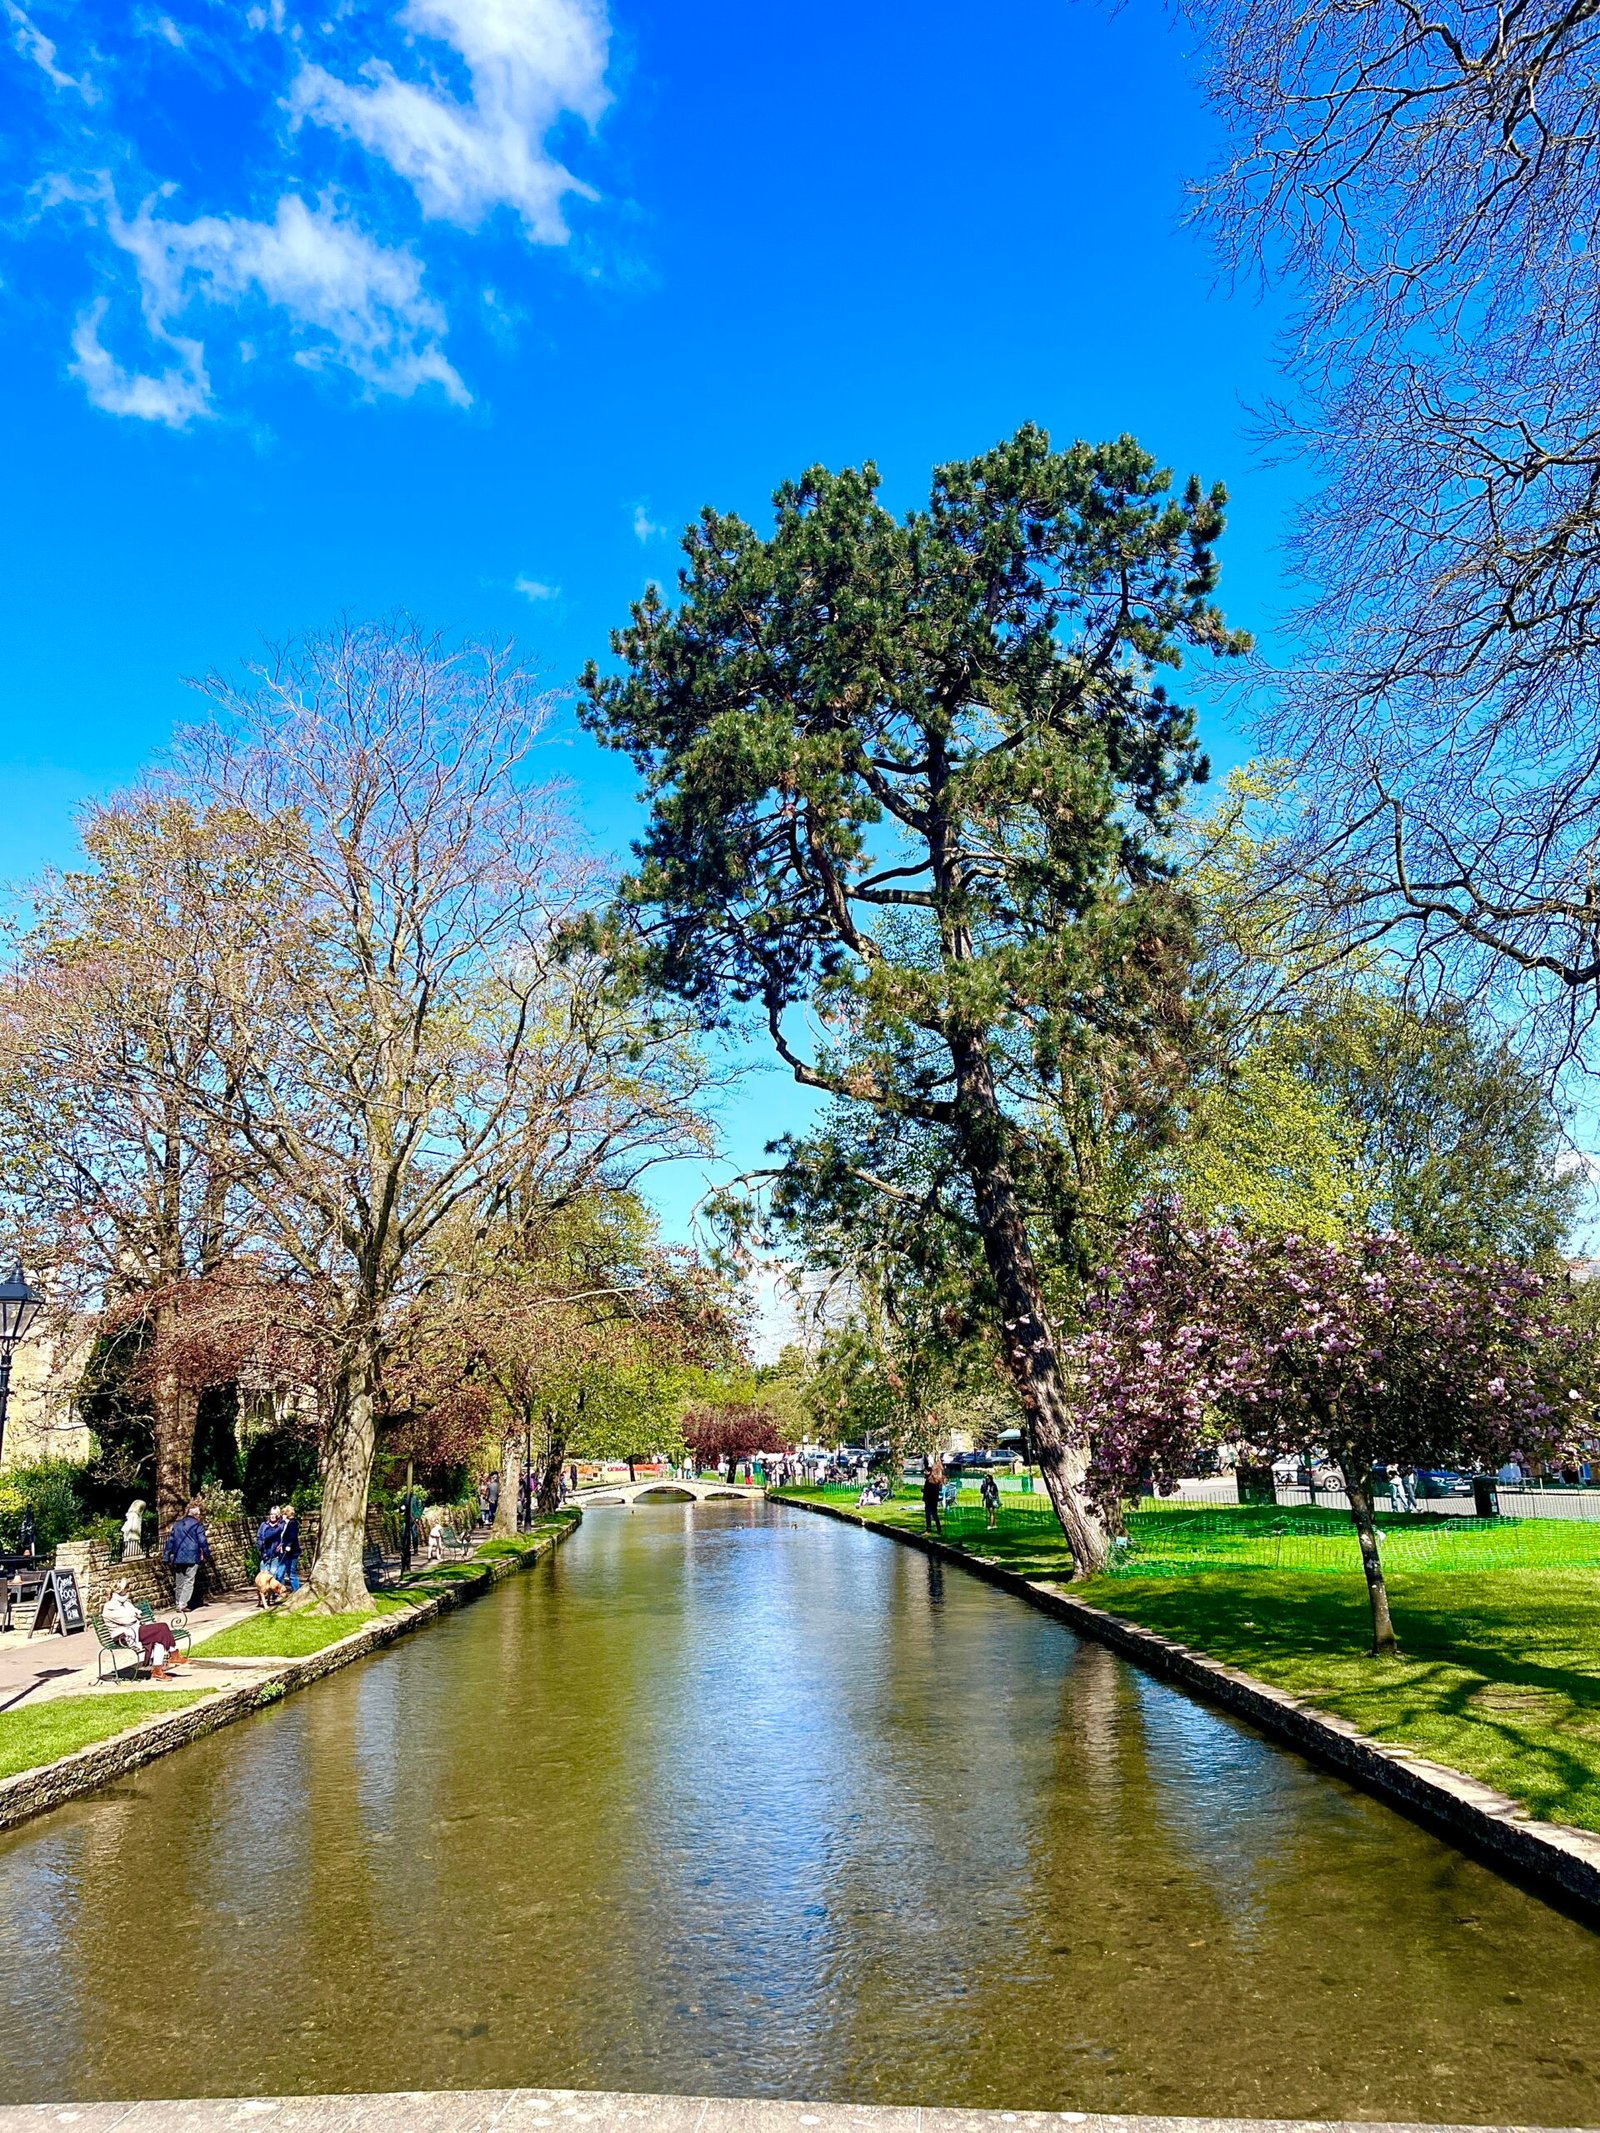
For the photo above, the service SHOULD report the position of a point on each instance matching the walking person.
(485, 1509)
(492, 1503)
(27, 1535)
(186, 1549)
(989, 1491)
(269, 1540)
(932, 1490)
(289, 1548)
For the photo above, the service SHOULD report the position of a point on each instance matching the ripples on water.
(741, 1801)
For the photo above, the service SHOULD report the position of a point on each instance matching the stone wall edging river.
(36, 1791)
(1554, 1859)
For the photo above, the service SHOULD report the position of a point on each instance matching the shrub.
(53, 1489)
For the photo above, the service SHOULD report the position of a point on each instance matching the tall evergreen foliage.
(916, 776)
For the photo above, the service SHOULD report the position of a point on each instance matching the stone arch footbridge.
(662, 1489)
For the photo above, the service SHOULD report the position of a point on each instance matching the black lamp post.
(20, 1305)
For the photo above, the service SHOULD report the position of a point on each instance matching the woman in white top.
(154, 1641)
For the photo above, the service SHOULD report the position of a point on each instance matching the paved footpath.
(35, 1669)
(527, 2110)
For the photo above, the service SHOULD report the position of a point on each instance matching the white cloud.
(532, 589)
(645, 527)
(33, 44)
(175, 397)
(527, 62)
(348, 301)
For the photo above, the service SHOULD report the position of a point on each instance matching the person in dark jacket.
(186, 1549)
(932, 1491)
(269, 1540)
(27, 1536)
(289, 1548)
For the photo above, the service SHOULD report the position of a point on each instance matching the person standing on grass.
(932, 1490)
(989, 1491)
(186, 1549)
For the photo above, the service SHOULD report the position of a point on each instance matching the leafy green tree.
(1270, 1152)
(1363, 1113)
(918, 776)
(1459, 1143)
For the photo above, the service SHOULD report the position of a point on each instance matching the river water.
(737, 1800)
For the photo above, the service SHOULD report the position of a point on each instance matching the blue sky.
(465, 306)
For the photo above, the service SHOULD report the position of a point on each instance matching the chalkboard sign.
(60, 1604)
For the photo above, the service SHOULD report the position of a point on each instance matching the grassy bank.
(297, 1632)
(47, 1731)
(1499, 1673)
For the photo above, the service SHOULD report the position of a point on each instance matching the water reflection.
(735, 1800)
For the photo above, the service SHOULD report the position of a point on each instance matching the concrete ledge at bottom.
(526, 2110)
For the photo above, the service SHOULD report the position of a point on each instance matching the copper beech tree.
(408, 1039)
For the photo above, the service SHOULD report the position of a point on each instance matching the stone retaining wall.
(1558, 1861)
(149, 1578)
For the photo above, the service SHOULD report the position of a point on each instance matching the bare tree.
(409, 1037)
(1428, 181)
(116, 1145)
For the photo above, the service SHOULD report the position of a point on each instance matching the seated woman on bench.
(154, 1640)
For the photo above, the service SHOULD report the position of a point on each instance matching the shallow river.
(742, 1801)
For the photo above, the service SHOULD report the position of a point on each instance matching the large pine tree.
(915, 776)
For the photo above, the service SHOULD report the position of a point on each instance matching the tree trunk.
(505, 1511)
(1030, 1347)
(172, 1418)
(555, 1460)
(338, 1575)
(1358, 1487)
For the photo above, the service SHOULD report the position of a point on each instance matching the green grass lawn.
(1499, 1673)
(293, 1634)
(51, 1730)
(303, 1630)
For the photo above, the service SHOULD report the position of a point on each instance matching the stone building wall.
(42, 1420)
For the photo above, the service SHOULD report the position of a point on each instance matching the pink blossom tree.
(1365, 1346)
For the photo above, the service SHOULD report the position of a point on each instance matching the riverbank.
(58, 1750)
(1497, 1686)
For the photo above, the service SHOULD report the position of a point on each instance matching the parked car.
(1295, 1474)
(1442, 1481)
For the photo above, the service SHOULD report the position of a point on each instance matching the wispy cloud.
(173, 396)
(345, 300)
(33, 44)
(535, 589)
(644, 526)
(527, 62)
(294, 248)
